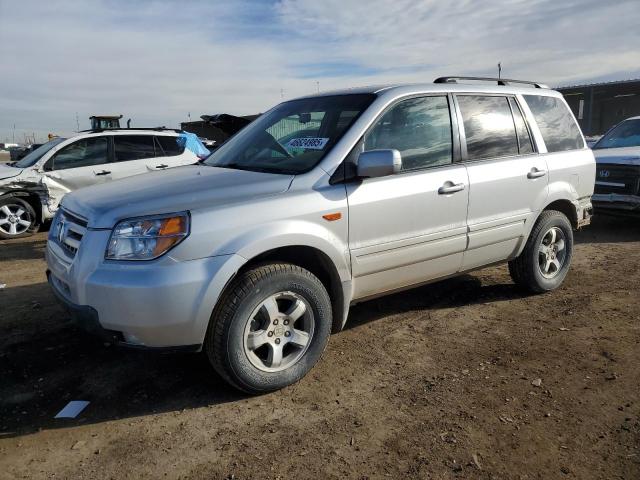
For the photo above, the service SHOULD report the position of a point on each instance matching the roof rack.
(500, 81)
(157, 129)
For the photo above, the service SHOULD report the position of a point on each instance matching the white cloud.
(155, 61)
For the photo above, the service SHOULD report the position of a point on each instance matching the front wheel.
(270, 327)
(17, 218)
(546, 258)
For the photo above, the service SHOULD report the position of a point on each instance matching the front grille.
(67, 231)
(620, 179)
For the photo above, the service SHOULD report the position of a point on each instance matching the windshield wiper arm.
(254, 168)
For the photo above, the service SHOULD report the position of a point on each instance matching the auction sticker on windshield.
(309, 143)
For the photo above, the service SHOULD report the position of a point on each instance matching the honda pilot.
(256, 254)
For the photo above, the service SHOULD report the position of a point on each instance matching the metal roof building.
(599, 106)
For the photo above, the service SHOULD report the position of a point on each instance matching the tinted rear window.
(133, 147)
(559, 130)
(169, 146)
(488, 126)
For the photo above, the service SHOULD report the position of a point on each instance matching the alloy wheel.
(279, 332)
(552, 252)
(14, 219)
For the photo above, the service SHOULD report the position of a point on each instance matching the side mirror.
(379, 163)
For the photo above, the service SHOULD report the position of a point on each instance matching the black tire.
(16, 204)
(526, 271)
(225, 339)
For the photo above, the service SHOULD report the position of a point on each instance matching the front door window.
(83, 153)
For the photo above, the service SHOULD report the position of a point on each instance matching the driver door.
(410, 227)
(79, 164)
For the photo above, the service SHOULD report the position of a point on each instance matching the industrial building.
(599, 106)
(217, 127)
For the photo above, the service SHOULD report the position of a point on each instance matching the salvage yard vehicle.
(256, 254)
(617, 155)
(21, 152)
(31, 188)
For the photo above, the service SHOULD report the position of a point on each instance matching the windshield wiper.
(252, 168)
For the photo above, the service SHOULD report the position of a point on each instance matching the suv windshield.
(626, 134)
(293, 137)
(30, 159)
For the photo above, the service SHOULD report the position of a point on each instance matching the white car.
(31, 189)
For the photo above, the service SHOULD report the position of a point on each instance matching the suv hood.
(173, 190)
(8, 172)
(620, 156)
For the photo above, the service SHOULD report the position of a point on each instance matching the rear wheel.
(269, 328)
(546, 258)
(17, 218)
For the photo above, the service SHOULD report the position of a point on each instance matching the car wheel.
(269, 328)
(546, 258)
(17, 218)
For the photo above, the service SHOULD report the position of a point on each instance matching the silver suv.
(256, 255)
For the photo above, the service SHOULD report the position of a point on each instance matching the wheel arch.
(318, 263)
(561, 204)
(567, 207)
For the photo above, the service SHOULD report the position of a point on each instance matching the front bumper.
(617, 202)
(83, 316)
(157, 304)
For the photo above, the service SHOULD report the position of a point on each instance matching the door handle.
(535, 173)
(450, 187)
(103, 172)
(162, 166)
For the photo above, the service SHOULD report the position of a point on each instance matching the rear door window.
(133, 147)
(525, 143)
(488, 126)
(555, 121)
(169, 146)
(419, 128)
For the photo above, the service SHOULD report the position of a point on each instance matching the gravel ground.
(468, 378)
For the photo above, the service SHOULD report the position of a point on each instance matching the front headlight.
(147, 238)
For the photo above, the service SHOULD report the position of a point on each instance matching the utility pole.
(282, 93)
(77, 123)
(318, 86)
(14, 133)
(499, 69)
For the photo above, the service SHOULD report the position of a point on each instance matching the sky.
(157, 61)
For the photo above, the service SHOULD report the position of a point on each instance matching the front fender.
(261, 239)
(292, 233)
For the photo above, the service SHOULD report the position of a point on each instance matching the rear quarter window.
(169, 146)
(555, 121)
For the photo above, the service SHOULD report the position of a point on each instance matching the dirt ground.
(437, 382)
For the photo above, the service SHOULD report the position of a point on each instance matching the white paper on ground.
(72, 409)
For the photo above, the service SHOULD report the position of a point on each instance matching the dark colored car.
(617, 153)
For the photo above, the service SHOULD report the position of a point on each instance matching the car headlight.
(146, 238)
